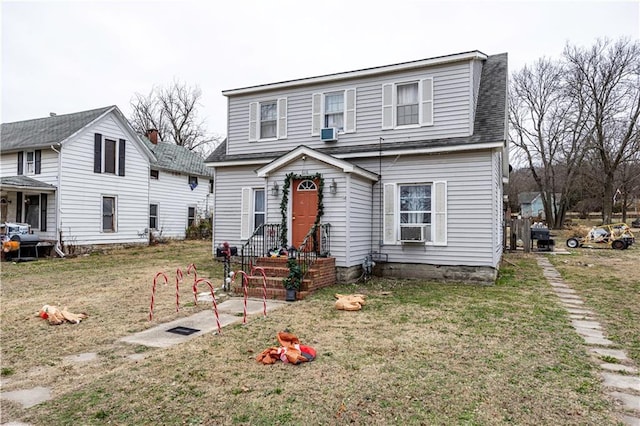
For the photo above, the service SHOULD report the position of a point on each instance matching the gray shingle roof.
(24, 182)
(489, 124)
(176, 158)
(43, 132)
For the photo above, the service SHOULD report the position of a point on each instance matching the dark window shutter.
(121, 154)
(20, 163)
(97, 153)
(38, 160)
(18, 207)
(43, 212)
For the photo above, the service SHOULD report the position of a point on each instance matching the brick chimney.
(152, 134)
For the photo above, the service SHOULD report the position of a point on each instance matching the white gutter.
(58, 247)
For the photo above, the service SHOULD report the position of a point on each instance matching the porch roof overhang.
(303, 150)
(25, 183)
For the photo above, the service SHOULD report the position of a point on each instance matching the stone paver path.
(621, 380)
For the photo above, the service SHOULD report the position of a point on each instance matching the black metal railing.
(317, 243)
(265, 238)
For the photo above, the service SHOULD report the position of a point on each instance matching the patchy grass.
(418, 353)
(609, 282)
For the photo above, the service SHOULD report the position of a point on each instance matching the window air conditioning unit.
(329, 134)
(412, 234)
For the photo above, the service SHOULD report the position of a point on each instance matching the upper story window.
(193, 182)
(268, 119)
(335, 109)
(154, 174)
(29, 162)
(407, 104)
(108, 155)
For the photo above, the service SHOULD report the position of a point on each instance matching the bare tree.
(173, 112)
(608, 75)
(548, 126)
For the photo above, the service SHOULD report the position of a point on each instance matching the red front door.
(304, 208)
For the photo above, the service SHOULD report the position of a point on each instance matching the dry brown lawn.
(418, 353)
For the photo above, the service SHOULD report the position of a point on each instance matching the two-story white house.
(86, 179)
(405, 162)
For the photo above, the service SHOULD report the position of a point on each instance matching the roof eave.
(466, 56)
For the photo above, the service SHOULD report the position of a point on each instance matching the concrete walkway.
(231, 311)
(620, 379)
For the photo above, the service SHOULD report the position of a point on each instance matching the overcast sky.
(66, 57)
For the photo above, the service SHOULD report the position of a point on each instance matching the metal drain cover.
(185, 331)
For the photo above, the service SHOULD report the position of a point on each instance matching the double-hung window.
(109, 155)
(415, 213)
(335, 109)
(258, 208)
(153, 216)
(108, 214)
(268, 119)
(29, 162)
(408, 103)
(253, 210)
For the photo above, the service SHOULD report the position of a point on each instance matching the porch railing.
(317, 243)
(264, 239)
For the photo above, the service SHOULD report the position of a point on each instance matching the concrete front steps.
(322, 274)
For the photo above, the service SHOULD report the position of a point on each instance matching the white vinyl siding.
(268, 120)
(81, 190)
(172, 193)
(469, 210)
(451, 104)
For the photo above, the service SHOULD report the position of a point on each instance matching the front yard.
(418, 353)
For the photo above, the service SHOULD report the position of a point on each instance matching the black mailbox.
(221, 252)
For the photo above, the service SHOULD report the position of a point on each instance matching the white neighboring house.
(180, 188)
(84, 179)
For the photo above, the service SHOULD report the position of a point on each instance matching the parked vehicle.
(618, 236)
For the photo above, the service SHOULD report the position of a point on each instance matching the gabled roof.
(44, 132)
(24, 182)
(489, 131)
(175, 158)
(302, 150)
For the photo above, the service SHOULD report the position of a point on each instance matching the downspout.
(381, 207)
(58, 247)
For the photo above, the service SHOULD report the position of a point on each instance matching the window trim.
(391, 212)
(255, 120)
(114, 216)
(254, 212)
(318, 111)
(156, 217)
(195, 214)
(425, 104)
